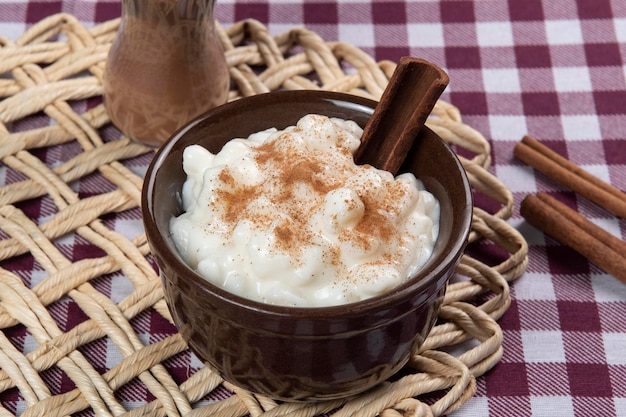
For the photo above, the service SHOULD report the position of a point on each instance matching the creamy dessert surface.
(286, 217)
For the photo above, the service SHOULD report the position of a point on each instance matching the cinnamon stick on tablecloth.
(570, 228)
(550, 163)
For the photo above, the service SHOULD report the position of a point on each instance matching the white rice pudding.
(287, 218)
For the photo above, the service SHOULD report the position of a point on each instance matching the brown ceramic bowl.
(302, 353)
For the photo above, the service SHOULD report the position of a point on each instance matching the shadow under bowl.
(290, 353)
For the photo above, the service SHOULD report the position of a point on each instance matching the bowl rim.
(375, 303)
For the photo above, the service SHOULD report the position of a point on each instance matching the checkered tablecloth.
(555, 70)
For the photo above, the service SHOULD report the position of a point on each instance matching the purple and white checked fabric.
(555, 70)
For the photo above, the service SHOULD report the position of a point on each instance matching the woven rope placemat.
(70, 244)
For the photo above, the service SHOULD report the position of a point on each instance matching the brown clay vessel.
(303, 353)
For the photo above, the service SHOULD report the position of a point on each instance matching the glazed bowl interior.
(431, 160)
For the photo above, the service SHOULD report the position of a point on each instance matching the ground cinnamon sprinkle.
(267, 151)
(375, 223)
(287, 237)
(333, 256)
(306, 171)
(291, 167)
(235, 196)
(227, 177)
